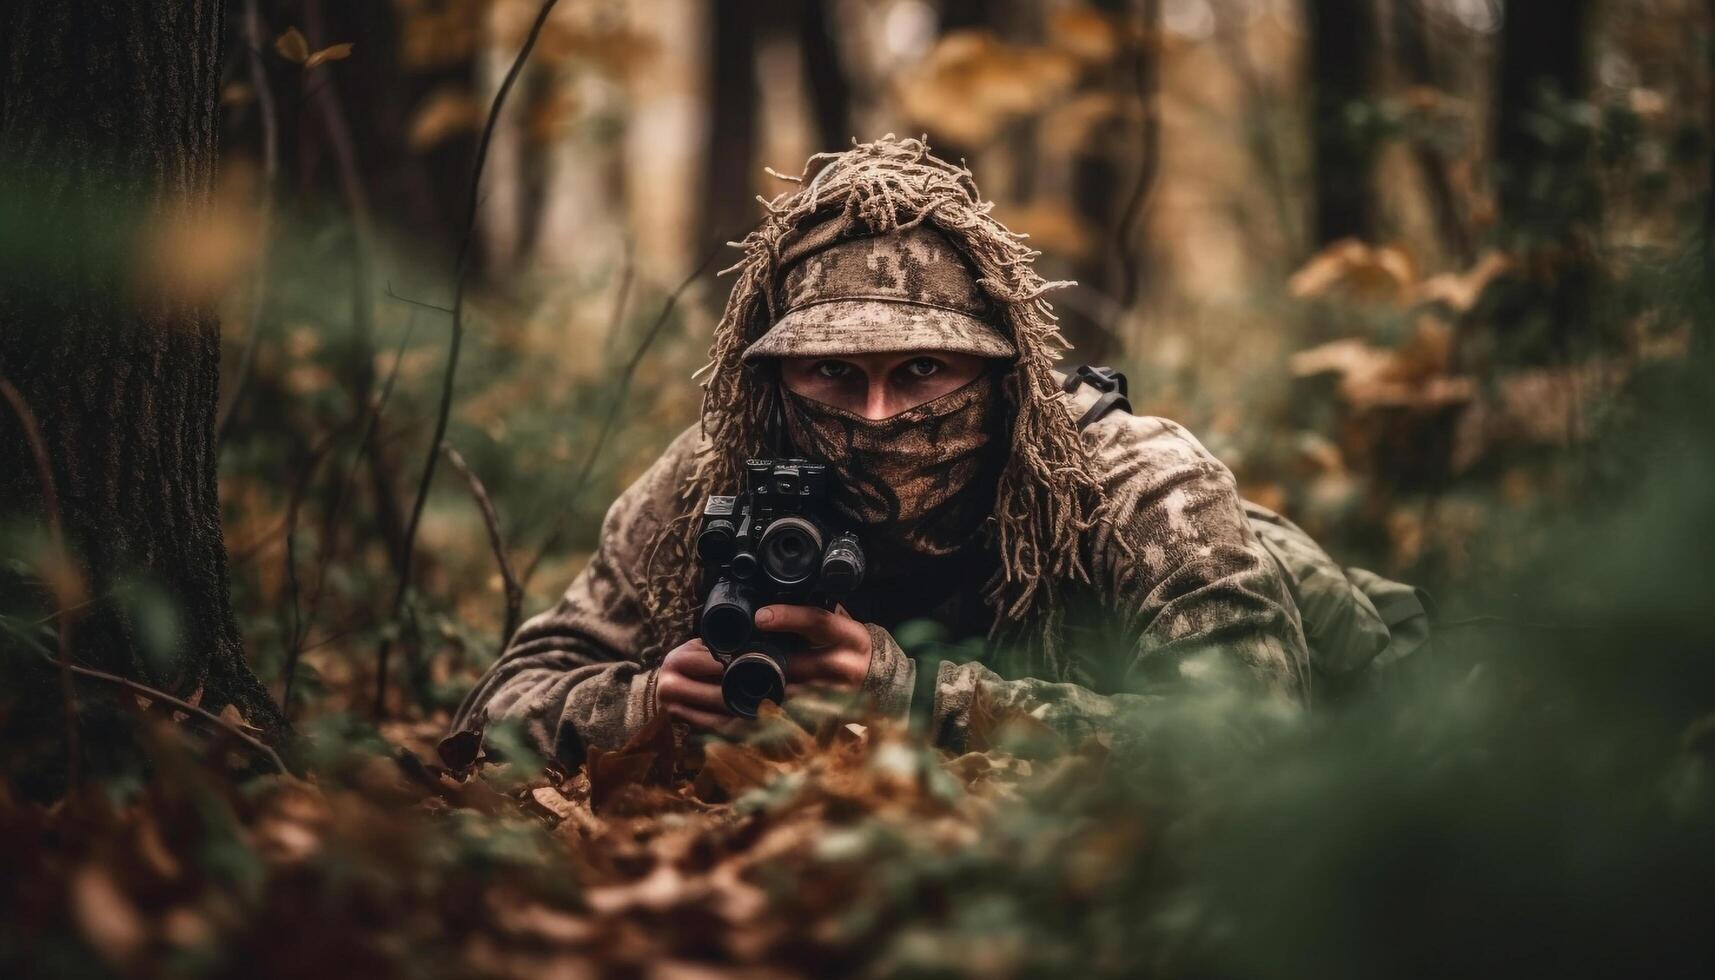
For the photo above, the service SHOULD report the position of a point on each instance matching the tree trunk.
(1411, 39)
(1545, 180)
(107, 149)
(824, 75)
(1112, 171)
(728, 203)
(1342, 36)
(1541, 171)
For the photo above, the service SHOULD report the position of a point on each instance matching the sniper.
(887, 331)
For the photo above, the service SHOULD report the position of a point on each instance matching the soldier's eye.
(832, 370)
(922, 367)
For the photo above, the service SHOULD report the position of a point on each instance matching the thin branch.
(1148, 68)
(627, 274)
(491, 520)
(59, 577)
(299, 489)
(239, 555)
(445, 411)
(420, 304)
(365, 445)
(613, 406)
(155, 694)
(364, 625)
(266, 111)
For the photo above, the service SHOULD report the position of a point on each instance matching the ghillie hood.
(1046, 497)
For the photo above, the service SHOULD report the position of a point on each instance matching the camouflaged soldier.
(885, 323)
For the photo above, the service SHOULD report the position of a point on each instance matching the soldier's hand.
(839, 646)
(689, 686)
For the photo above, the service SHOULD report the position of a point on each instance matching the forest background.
(1431, 276)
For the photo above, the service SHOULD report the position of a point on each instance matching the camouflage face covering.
(920, 481)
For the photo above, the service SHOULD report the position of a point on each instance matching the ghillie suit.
(1047, 496)
(1106, 566)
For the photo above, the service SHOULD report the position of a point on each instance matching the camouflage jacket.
(1179, 575)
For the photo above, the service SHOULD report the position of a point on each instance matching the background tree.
(1417, 68)
(107, 153)
(732, 108)
(1544, 185)
(1342, 41)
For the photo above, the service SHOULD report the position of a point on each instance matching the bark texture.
(108, 116)
(1540, 161)
(729, 204)
(1342, 38)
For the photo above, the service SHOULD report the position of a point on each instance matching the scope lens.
(715, 543)
(843, 566)
(791, 550)
(727, 618)
(750, 680)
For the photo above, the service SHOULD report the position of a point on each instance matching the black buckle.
(1110, 383)
(1103, 379)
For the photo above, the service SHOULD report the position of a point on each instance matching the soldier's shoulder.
(1136, 446)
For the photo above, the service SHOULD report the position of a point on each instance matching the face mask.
(915, 479)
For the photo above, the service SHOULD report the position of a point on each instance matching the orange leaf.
(333, 52)
(292, 46)
(729, 770)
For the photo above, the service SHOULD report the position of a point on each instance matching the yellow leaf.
(1351, 267)
(292, 46)
(973, 83)
(1085, 32)
(1461, 290)
(333, 52)
(444, 113)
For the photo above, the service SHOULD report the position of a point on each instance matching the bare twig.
(420, 304)
(1148, 74)
(613, 406)
(457, 338)
(305, 474)
(491, 520)
(365, 445)
(364, 624)
(239, 555)
(627, 273)
(59, 577)
(155, 694)
(270, 174)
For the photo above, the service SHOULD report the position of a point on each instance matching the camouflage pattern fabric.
(908, 290)
(912, 479)
(1178, 574)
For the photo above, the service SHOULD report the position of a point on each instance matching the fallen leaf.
(459, 751)
(646, 759)
(107, 917)
(551, 802)
(729, 770)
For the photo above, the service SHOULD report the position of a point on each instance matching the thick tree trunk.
(107, 150)
(728, 204)
(1544, 177)
(1411, 39)
(1342, 37)
(1541, 171)
(824, 74)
